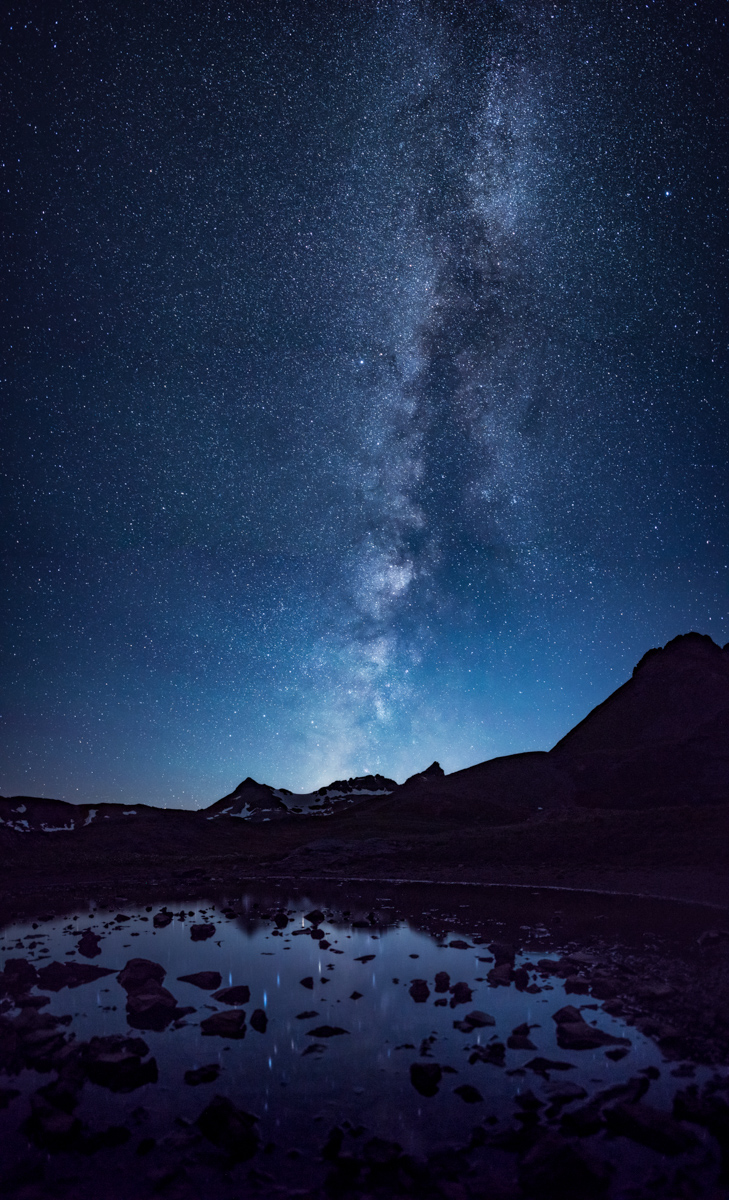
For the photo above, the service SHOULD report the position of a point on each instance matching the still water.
(370, 1022)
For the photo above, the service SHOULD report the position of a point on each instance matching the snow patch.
(92, 814)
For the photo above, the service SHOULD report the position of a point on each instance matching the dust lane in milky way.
(365, 379)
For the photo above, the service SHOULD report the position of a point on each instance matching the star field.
(364, 376)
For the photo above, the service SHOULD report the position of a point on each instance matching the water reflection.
(184, 1042)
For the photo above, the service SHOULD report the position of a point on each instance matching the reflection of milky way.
(367, 404)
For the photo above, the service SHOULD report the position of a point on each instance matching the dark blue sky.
(365, 381)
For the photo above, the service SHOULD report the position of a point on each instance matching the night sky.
(364, 380)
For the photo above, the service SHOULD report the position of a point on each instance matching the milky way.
(366, 382)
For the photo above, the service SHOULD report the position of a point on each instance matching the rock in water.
(259, 1020)
(19, 976)
(228, 1024)
(207, 980)
(239, 994)
(151, 1007)
(115, 1063)
(89, 944)
(200, 933)
(229, 1128)
(207, 1074)
(425, 1078)
(419, 991)
(138, 972)
(578, 1035)
(58, 975)
(461, 993)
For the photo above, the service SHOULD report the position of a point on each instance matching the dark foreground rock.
(118, 1063)
(207, 980)
(229, 1128)
(228, 1024)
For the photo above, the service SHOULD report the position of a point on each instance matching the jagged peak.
(684, 642)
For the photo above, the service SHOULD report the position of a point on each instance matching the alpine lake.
(357, 1040)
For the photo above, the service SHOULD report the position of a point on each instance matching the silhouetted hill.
(660, 740)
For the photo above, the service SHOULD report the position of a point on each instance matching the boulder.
(228, 1024)
(89, 944)
(419, 991)
(650, 1127)
(517, 1041)
(56, 975)
(542, 1066)
(578, 1035)
(474, 1020)
(239, 994)
(207, 980)
(50, 1128)
(326, 1031)
(207, 1074)
(425, 1078)
(162, 919)
(200, 933)
(229, 1128)
(152, 1007)
(18, 976)
(493, 1053)
(442, 981)
(501, 975)
(461, 993)
(138, 972)
(116, 1063)
(259, 1020)
(467, 1092)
